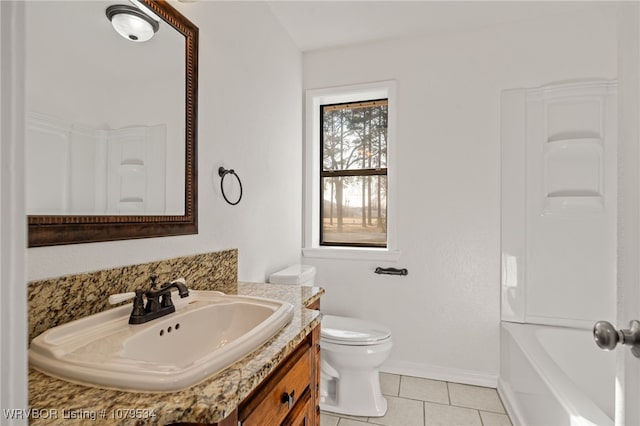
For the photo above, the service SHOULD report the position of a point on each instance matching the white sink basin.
(208, 332)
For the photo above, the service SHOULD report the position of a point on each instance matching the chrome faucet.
(159, 301)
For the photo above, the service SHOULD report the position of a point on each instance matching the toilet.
(352, 351)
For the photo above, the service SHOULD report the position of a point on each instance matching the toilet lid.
(352, 331)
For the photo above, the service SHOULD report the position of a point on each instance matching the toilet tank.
(295, 274)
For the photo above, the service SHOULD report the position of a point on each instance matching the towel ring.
(222, 172)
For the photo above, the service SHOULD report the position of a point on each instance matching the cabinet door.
(279, 396)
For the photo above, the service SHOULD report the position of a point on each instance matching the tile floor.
(422, 402)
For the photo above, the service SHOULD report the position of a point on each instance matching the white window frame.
(311, 212)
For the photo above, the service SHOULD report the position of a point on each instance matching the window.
(349, 172)
(353, 173)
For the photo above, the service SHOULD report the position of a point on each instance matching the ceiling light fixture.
(131, 23)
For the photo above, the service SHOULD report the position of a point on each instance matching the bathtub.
(555, 376)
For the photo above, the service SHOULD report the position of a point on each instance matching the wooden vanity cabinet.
(315, 392)
(314, 305)
(290, 395)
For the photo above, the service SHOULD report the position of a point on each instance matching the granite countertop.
(207, 402)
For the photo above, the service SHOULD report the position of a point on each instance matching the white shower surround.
(559, 147)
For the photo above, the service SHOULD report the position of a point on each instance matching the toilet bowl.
(352, 351)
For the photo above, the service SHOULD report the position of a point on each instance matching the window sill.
(351, 253)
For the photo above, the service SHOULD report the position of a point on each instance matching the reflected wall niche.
(111, 126)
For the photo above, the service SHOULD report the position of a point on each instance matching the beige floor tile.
(350, 422)
(344, 416)
(328, 420)
(493, 419)
(446, 415)
(470, 405)
(401, 412)
(477, 397)
(424, 389)
(389, 383)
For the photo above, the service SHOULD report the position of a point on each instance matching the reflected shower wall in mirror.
(110, 125)
(105, 116)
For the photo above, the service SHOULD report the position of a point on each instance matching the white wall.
(445, 314)
(249, 119)
(628, 289)
(13, 298)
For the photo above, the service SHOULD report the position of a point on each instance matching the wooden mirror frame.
(58, 230)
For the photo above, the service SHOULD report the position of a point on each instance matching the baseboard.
(427, 371)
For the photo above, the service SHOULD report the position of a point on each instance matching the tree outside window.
(353, 173)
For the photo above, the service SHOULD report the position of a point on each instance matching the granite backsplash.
(59, 300)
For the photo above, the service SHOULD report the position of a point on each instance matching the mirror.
(111, 125)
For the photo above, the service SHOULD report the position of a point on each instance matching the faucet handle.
(121, 297)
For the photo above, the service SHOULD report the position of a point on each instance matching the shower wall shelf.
(564, 142)
(573, 174)
(566, 202)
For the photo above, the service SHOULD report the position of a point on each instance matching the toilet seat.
(352, 331)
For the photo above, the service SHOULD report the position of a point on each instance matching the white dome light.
(131, 23)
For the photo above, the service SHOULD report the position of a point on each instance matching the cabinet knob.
(288, 398)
